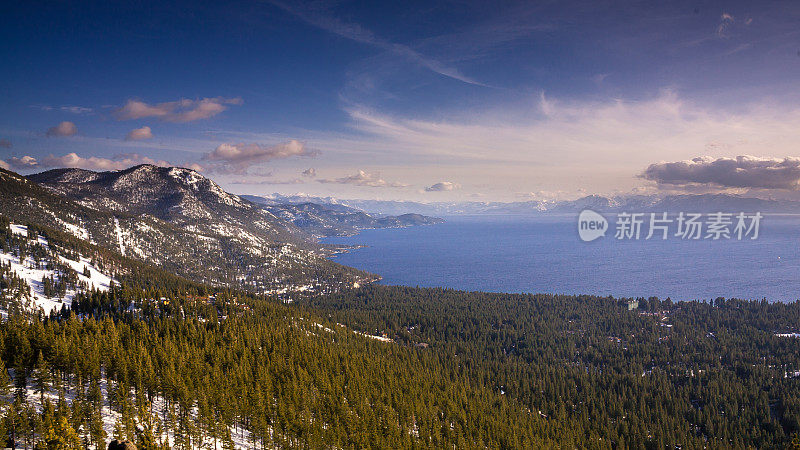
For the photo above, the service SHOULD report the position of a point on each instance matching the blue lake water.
(545, 255)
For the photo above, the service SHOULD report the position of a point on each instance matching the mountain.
(335, 219)
(631, 203)
(181, 197)
(177, 220)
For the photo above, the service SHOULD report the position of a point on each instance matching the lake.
(545, 255)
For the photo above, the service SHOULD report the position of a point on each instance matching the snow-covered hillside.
(45, 279)
(179, 221)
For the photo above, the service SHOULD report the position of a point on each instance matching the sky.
(412, 100)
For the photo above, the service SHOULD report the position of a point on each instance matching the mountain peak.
(165, 192)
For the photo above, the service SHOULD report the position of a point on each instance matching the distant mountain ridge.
(631, 203)
(329, 219)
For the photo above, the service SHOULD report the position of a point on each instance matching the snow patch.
(21, 230)
(119, 236)
(26, 269)
(75, 230)
(377, 338)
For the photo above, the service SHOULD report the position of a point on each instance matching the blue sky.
(409, 100)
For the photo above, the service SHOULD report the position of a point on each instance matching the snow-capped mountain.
(616, 203)
(334, 219)
(177, 220)
(176, 195)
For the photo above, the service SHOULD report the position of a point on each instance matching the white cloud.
(139, 134)
(4, 165)
(25, 162)
(739, 172)
(118, 162)
(237, 158)
(363, 178)
(443, 186)
(179, 111)
(63, 129)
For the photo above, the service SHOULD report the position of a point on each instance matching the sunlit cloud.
(26, 162)
(118, 162)
(362, 178)
(139, 134)
(179, 111)
(63, 129)
(238, 158)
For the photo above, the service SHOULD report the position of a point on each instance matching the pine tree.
(5, 380)
(61, 435)
(42, 378)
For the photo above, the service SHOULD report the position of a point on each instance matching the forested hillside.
(689, 374)
(127, 350)
(192, 368)
(188, 366)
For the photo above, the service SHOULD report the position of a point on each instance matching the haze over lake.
(545, 255)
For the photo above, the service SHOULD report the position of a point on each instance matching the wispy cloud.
(355, 32)
(725, 22)
(362, 178)
(63, 129)
(612, 139)
(76, 109)
(545, 143)
(72, 109)
(266, 181)
(179, 111)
